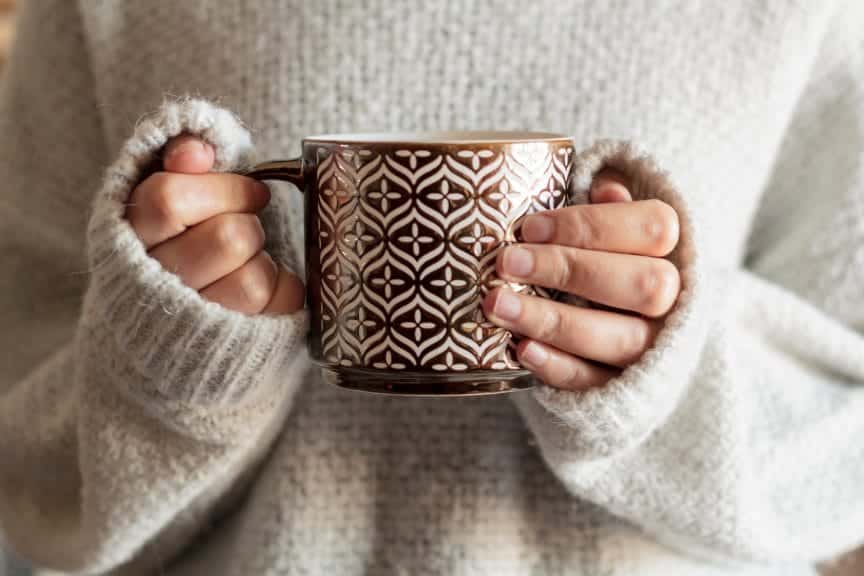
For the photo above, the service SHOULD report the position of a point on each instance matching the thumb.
(188, 154)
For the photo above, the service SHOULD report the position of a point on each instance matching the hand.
(202, 226)
(608, 252)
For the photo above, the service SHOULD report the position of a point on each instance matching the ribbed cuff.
(602, 421)
(188, 351)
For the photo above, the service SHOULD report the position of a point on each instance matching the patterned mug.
(402, 233)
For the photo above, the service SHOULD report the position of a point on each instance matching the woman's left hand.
(609, 252)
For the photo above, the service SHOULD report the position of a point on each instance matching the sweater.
(144, 430)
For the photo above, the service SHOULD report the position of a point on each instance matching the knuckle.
(579, 273)
(587, 227)
(661, 228)
(562, 270)
(658, 285)
(238, 235)
(159, 200)
(163, 197)
(549, 326)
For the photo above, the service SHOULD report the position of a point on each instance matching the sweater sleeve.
(131, 410)
(738, 435)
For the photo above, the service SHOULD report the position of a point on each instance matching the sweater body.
(703, 459)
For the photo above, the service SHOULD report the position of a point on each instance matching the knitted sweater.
(144, 430)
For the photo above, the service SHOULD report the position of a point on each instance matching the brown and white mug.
(402, 234)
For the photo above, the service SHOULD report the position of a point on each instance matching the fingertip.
(488, 303)
(499, 261)
(188, 154)
(523, 344)
(533, 355)
(538, 228)
(610, 193)
(290, 294)
(610, 185)
(262, 194)
(295, 291)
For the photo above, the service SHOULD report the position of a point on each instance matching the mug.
(402, 234)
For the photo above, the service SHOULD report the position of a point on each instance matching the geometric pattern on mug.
(408, 240)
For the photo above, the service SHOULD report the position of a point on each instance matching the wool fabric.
(144, 430)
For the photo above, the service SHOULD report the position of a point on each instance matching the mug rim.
(441, 138)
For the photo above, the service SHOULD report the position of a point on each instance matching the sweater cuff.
(187, 351)
(599, 422)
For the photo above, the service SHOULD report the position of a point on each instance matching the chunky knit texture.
(143, 430)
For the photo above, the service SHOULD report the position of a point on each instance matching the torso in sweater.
(377, 485)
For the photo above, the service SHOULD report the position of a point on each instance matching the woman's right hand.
(202, 226)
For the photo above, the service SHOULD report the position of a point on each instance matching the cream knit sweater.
(143, 430)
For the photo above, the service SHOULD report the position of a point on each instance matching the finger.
(608, 337)
(166, 204)
(646, 227)
(212, 249)
(560, 370)
(247, 289)
(188, 154)
(610, 185)
(641, 284)
(289, 295)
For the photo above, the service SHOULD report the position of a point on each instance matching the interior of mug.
(457, 137)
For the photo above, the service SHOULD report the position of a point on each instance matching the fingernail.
(534, 355)
(507, 305)
(186, 146)
(538, 228)
(518, 262)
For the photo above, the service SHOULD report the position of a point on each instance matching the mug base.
(425, 384)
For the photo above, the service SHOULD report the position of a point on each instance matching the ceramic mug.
(402, 233)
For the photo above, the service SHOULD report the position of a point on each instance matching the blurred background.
(7, 13)
(7, 17)
(8, 567)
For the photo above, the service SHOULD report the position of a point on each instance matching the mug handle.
(284, 170)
